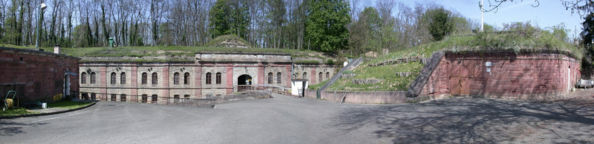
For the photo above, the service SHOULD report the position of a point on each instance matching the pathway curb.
(50, 113)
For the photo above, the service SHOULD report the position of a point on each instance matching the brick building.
(37, 75)
(209, 75)
(537, 75)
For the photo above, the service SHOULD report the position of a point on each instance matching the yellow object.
(9, 103)
(57, 97)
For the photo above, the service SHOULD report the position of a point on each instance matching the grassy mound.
(521, 41)
(217, 42)
(171, 51)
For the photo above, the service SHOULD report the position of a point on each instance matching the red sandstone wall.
(40, 75)
(520, 76)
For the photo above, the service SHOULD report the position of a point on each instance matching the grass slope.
(484, 42)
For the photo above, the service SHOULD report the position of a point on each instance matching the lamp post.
(39, 24)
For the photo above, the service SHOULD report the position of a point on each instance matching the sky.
(549, 13)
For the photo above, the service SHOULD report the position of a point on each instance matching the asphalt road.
(286, 120)
(280, 120)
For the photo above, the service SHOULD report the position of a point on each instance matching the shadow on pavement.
(465, 120)
(8, 128)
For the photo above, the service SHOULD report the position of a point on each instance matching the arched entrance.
(244, 82)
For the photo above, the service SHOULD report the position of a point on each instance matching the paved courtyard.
(284, 119)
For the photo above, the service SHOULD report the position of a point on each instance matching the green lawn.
(14, 112)
(67, 104)
(386, 74)
(59, 104)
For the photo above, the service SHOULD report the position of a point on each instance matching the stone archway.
(244, 82)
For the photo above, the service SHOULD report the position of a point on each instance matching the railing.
(334, 78)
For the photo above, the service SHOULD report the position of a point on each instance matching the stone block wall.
(36, 75)
(313, 72)
(229, 66)
(526, 76)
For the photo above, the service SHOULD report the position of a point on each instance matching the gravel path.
(287, 120)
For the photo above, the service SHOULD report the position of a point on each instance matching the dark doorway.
(144, 98)
(244, 82)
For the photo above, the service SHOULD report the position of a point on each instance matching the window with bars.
(270, 78)
(218, 78)
(123, 78)
(113, 78)
(187, 78)
(93, 77)
(83, 78)
(144, 77)
(175, 78)
(278, 77)
(155, 79)
(208, 78)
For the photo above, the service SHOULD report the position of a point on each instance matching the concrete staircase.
(417, 85)
(352, 65)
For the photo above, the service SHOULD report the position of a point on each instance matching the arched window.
(304, 75)
(123, 78)
(327, 75)
(83, 78)
(144, 75)
(176, 78)
(154, 78)
(278, 77)
(93, 75)
(320, 78)
(113, 77)
(270, 78)
(218, 78)
(187, 78)
(208, 78)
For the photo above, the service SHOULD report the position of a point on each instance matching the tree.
(230, 17)
(440, 23)
(365, 32)
(587, 42)
(276, 16)
(325, 27)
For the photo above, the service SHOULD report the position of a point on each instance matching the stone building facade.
(37, 75)
(503, 75)
(209, 75)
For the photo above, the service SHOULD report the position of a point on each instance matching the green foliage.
(587, 43)
(440, 23)
(67, 104)
(229, 17)
(15, 112)
(330, 62)
(390, 81)
(81, 33)
(325, 27)
(365, 32)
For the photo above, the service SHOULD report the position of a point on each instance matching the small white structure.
(57, 49)
(298, 87)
